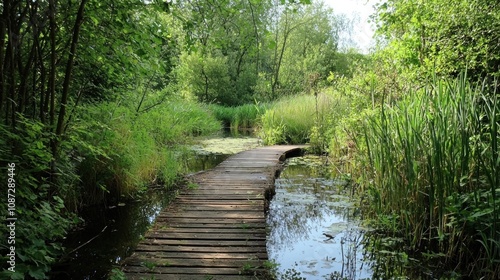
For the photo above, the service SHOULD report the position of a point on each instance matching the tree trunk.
(69, 68)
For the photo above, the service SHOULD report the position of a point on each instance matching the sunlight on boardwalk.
(217, 230)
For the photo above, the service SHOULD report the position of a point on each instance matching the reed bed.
(239, 117)
(434, 173)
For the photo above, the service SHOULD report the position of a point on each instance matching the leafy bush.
(41, 215)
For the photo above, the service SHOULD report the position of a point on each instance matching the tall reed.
(241, 117)
(435, 169)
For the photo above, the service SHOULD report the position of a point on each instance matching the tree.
(438, 37)
(229, 31)
(304, 42)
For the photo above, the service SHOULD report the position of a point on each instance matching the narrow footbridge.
(217, 228)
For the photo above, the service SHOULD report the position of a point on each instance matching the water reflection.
(109, 235)
(195, 162)
(312, 224)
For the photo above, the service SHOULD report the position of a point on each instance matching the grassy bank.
(137, 151)
(426, 164)
(297, 119)
(239, 117)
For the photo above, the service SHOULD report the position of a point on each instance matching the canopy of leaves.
(443, 37)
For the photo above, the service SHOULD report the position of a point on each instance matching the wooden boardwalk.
(216, 230)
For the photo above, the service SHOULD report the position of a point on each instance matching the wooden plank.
(211, 236)
(137, 260)
(211, 225)
(185, 270)
(215, 207)
(172, 242)
(224, 197)
(142, 276)
(208, 230)
(205, 255)
(186, 201)
(201, 249)
(220, 214)
(239, 221)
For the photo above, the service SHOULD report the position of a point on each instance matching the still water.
(314, 232)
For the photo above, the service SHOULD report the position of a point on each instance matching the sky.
(361, 11)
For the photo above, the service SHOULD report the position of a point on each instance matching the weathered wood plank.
(214, 231)
(228, 243)
(242, 222)
(221, 214)
(205, 255)
(212, 225)
(185, 270)
(186, 201)
(142, 276)
(209, 236)
(202, 249)
(215, 207)
(241, 230)
(224, 197)
(138, 260)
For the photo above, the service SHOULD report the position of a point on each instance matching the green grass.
(291, 120)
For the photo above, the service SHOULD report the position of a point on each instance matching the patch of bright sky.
(359, 11)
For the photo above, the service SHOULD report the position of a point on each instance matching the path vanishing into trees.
(217, 229)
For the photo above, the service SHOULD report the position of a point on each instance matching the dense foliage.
(95, 97)
(437, 36)
(415, 126)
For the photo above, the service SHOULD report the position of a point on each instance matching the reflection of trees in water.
(292, 223)
(299, 205)
(193, 162)
(351, 244)
(306, 200)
